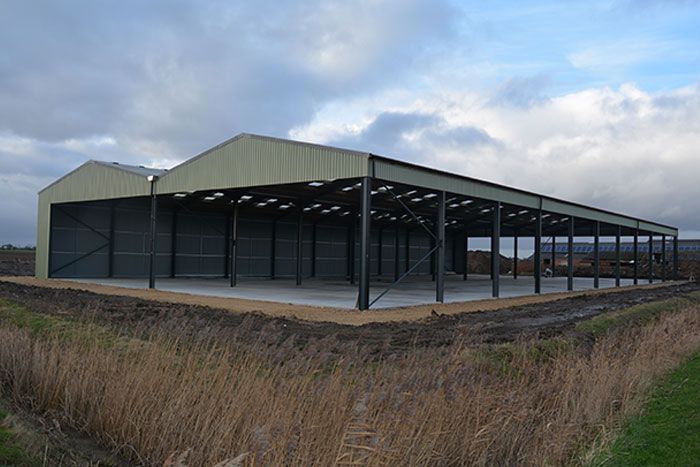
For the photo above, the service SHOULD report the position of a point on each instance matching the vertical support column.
(570, 256)
(596, 255)
(466, 255)
(617, 256)
(408, 250)
(365, 217)
(300, 246)
(351, 248)
(396, 251)
(675, 258)
(152, 238)
(537, 272)
(227, 246)
(440, 252)
(433, 244)
(233, 248)
(635, 259)
(273, 250)
(110, 257)
(663, 258)
(651, 258)
(313, 249)
(515, 256)
(496, 250)
(380, 252)
(553, 259)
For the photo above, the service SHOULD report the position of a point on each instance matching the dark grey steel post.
(617, 256)
(233, 248)
(515, 256)
(466, 256)
(273, 250)
(300, 246)
(635, 254)
(496, 250)
(396, 251)
(351, 248)
(152, 238)
(110, 257)
(227, 247)
(408, 250)
(596, 255)
(570, 256)
(537, 271)
(651, 258)
(675, 258)
(554, 256)
(173, 246)
(433, 244)
(380, 253)
(663, 258)
(313, 250)
(365, 217)
(440, 252)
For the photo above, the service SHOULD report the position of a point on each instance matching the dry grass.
(155, 399)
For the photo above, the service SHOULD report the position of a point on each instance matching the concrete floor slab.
(341, 294)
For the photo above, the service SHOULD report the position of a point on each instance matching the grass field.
(667, 431)
(150, 396)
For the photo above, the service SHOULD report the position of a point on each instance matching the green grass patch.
(11, 453)
(667, 432)
(635, 315)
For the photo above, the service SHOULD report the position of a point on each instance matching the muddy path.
(142, 316)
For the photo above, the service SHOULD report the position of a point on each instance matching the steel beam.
(570, 256)
(596, 255)
(365, 217)
(496, 250)
(651, 258)
(537, 271)
(300, 245)
(635, 254)
(233, 248)
(440, 252)
(152, 236)
(663, 258)
(617, 256)
(675, 258)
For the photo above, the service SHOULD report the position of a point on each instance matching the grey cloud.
(521, 92)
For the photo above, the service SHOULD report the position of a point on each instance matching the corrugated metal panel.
(416, 176)
(249, 160)
(42, 236)
(659, 229)
(566, 209)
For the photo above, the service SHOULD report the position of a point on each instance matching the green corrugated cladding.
(250, 160)
(91, 181)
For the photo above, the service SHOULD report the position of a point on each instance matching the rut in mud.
(507, 324)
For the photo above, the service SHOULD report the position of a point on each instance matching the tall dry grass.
(150, 399)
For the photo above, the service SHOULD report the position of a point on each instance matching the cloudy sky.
(596, 102)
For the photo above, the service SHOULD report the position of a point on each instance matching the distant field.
(17, 262)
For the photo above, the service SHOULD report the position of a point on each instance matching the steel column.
(617, 256)
(651, 258)
(570, 256)
(515, 256)
(635, 254)
(300, 246)
(408, 250)
(152, 237)
(313, 249)
(440, 253)
(233, 248)
(396, 250)
(365, 217)
(675, 258)
(596, 255)
(554, 256)
(379, 253)
(227, 247)
(496, 249)
(466, 255)
(273, 250)
(110, 251)
(663, 258)
(537, 272)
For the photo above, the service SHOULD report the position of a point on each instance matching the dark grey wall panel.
(200, 244)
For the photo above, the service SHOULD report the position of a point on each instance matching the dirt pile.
(480, 262)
